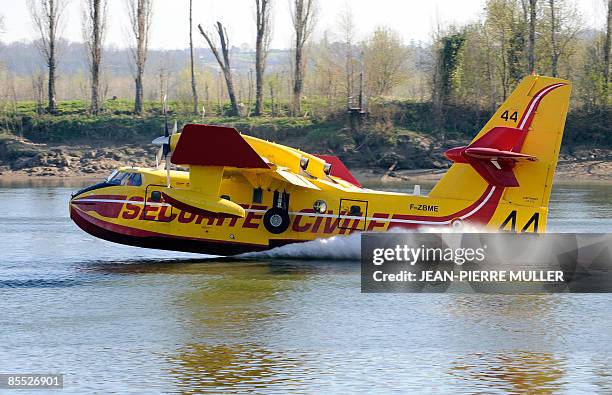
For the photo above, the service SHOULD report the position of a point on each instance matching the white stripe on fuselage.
(137, 202)
(296, 213)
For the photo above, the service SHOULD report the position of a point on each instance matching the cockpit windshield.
(118, 177)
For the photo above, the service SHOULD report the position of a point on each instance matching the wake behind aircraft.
(243, 194)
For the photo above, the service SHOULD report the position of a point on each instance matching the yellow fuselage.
(126, 214)
(224, 203)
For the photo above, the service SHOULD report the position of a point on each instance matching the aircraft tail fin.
(516, 150)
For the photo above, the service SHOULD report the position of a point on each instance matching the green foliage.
(117, 126)
(449, 63)
(385, 57)
(590, 128)
(515, 53)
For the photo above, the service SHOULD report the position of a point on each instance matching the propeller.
(164, 143)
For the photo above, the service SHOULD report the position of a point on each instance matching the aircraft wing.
(219, 146)
(208, 145)
(295, 179)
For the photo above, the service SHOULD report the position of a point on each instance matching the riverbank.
(568, 172)
(397, 155)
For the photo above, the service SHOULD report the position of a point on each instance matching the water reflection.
(161, 324)
(524, 372)
(235, 367)
(227, 309)
(510, 317)
(602, 382)
(280, 326)
(232, 303)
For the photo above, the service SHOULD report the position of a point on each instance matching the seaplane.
(237, 193)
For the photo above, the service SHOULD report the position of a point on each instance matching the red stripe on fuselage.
(491, 204)
(129, 231)
(143, 238)
(105, 209)
(325, 225)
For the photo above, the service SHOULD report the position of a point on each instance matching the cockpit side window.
(134, 179)
(112, 176)
(117, 177)
(125, 178)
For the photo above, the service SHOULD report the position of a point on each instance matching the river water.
(114, 318)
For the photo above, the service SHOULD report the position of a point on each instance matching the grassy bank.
(399, 135)
(73, 123)
(116, 124)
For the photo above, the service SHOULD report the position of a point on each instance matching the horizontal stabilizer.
(495, 154)
(338, 169)
(197, 203)
(208, 145)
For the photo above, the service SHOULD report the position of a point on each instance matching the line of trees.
(48, 14)
(475, 65)
(480, 63)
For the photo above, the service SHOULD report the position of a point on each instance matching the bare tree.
(554, 53)
(532, 29)
(607, 45)
(194, 91)
(164, 77)
(272, 84)
(47, 15)
(94, 26)
(262, 46)
(38, 85)
(347, 27)
(1, 24)
(224, 61)
(564, 24)
(303, 18)
(140, 13)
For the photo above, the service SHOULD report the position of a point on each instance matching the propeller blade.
(158, 157)
(166, 132)
(161, 140)
(167, 171)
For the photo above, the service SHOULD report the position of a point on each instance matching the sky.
(412, 19)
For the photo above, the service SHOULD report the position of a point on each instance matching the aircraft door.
(353, 214)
